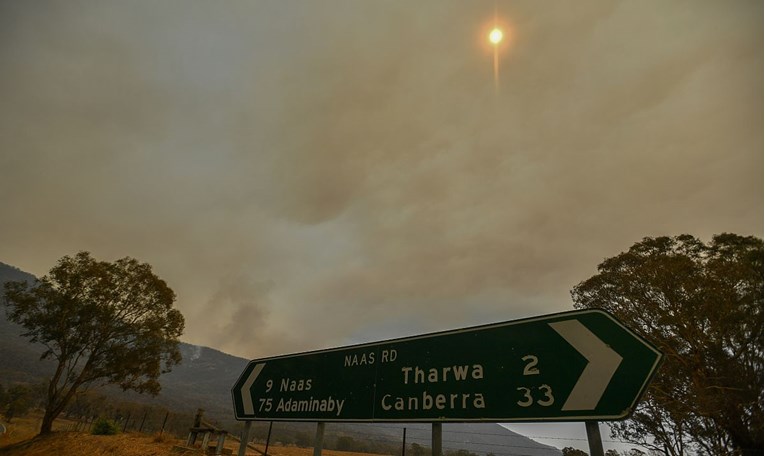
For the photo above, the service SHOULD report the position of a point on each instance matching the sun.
(495, 36)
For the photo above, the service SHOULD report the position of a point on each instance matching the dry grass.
(78, 444)
(21, 440)
(294, 451)
(19, 430)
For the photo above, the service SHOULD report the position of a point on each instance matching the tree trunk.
(55, 406)
(52, 411)
(47, 422)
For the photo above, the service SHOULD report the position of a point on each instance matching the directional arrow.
(246, 395)
(573, 366)
(602, 363)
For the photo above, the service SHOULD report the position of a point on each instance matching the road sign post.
(318, 441)
(594, 440)
(435, 439)
(245, 439)
(572, 366)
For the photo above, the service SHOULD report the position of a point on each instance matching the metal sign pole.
(403, 446)
(319, 440)
(268, 439)
(245, 438)
(436, 440)
(593, 438)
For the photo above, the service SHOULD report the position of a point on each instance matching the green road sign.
(572, 366)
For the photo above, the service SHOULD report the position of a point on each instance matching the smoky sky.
(309, 174)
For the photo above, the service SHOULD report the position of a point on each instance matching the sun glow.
(495, 36)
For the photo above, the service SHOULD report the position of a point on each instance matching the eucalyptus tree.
(702, 305)
(102, 322)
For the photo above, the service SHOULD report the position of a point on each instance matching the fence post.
(127, 420)
(143, 420)
(205, 441)
(221, 442)
(161, 431)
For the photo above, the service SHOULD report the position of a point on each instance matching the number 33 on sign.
(541, 395)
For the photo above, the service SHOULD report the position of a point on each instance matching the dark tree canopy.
(702, 305)
(102, 322)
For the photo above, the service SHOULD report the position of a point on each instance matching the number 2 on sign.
(531, 367)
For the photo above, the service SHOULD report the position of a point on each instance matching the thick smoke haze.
(309, 174)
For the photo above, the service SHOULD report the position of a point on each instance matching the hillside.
(481, 438)
(20, 360)
(204, 379)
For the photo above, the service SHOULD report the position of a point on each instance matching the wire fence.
(147, 421)
(378, 438)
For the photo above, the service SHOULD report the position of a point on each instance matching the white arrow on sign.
(246, 396)
(602, 363)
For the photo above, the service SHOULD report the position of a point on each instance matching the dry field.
(294, 451)
(21, 441)
(66, 443)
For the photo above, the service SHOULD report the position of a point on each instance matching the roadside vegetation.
(101, 322)
(702, 305)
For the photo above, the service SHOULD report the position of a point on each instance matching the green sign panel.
(572, 366)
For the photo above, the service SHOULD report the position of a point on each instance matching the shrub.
(103, 426)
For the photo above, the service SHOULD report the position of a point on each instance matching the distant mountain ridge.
(204, 380)
(20, 360)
